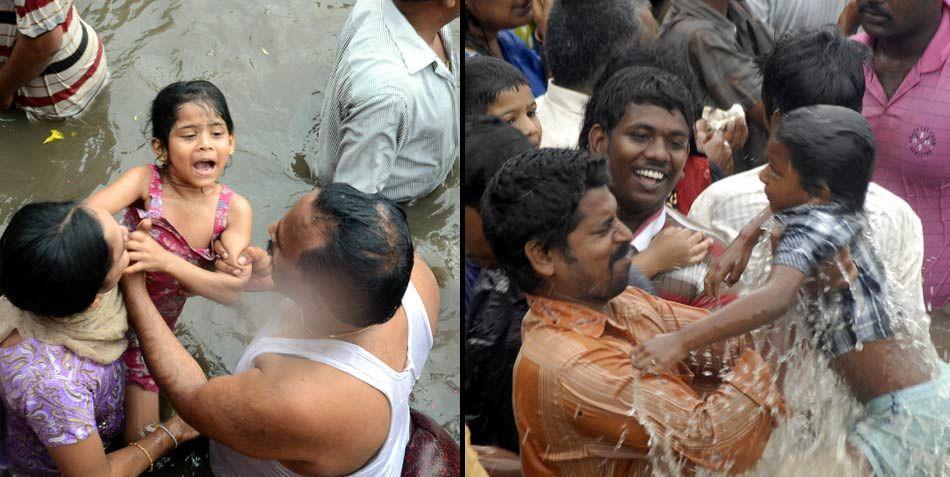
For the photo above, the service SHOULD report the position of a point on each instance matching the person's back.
(77, 69)
(390, 115)
(785, 16)
(372, 369)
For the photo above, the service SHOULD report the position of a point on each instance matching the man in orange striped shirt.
(52, 64)
(580, 408)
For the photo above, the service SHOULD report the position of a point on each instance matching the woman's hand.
(659, 353)
(145, 254)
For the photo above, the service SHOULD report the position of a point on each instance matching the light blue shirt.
(390, 121)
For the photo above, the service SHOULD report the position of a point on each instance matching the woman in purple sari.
(62, 335)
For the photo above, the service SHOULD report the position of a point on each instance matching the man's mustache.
(874, 8)
(621, 253)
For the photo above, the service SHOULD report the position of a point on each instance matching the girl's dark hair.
(833, 147)
(54, 259)
(170, 98)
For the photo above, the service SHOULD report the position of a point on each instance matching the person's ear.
(232, 139)
(159, 150)
(822, 193)
(598, 140)
(541, 259)
(774, 118)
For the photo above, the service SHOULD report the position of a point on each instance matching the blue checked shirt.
(841, 319)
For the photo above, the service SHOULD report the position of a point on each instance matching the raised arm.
(29, 58)
(232, 410)
(729, 266)
(128, 189)
(752, 311)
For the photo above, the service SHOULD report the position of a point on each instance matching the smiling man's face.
(647, 151)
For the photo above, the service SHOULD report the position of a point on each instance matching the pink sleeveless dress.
(163, 289)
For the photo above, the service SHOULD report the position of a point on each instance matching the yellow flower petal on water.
(72, 134)
(54, 135)
(136, 117)
(265, 51)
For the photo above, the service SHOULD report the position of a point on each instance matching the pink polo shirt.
(912, 129)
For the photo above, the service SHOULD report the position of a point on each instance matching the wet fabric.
(912, 130)
(77, 72)
(492, 341)
(906, 433)
(721, 52)
(813, 235)
(516, 52)
(357, 362)
(582, 411)
(164, 289)
(97, 333)
(472, 467)
(431, 450)
(53, 397)
(472, 270)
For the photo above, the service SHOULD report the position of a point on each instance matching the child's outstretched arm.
(132, 186)
(237, 236)
(672, 248)
(147, 255)
(756, 309)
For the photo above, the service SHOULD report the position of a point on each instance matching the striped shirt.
(76, 73)
(912, 131)
(813, 234)
(896, 233)
(390, 121)
(581, 411)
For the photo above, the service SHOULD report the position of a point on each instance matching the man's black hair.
(813, 67)
(489, 142)
(368, 249)
(535, 197)
(54, 259)
(485, 78)
(636, 85)
(830, 146)
(580, 32)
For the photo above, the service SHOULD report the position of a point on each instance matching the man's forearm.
(29, 58)
(172, 367)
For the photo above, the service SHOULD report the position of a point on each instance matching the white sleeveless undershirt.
(359, 363)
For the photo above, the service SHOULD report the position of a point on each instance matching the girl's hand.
(675, 248)
(660, 352)
(145, 254)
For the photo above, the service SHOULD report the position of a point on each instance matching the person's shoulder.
(426, 285)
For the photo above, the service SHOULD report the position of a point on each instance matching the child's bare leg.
(141, 409)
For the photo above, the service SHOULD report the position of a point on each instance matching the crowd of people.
(663, 200)
(88, 305)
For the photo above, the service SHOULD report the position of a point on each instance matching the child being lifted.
(820, 160)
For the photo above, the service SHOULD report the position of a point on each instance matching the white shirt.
(390, 121)
(795, 15)
(357, 362)
(561, 112)
(896, 232)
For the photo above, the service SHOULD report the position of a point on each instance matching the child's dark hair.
(53, 259)
(833, 147)
(485, 78)
(489, 142)
(170, 98)
(635, 85)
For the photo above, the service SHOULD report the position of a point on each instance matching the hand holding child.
(658, 353)
(145, 254)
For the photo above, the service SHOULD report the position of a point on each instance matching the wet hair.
(665, 57)
(489, 142)
(54, 259)
(636, 85)
(485, 78)
(831, 146)
(535, 197)
(581, 30)
(813, 67)
(368, 248)
(172, 97)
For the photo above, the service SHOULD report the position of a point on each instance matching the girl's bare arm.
(128, 189)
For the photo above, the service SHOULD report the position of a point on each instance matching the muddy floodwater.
(272, 60)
